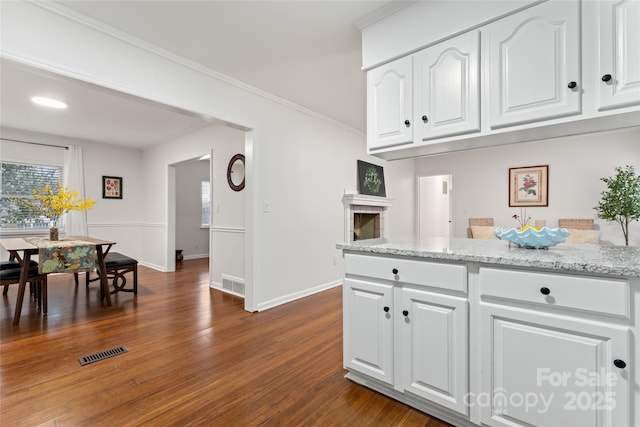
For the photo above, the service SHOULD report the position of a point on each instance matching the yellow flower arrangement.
(52, 205)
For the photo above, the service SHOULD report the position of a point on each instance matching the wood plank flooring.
(195, 358)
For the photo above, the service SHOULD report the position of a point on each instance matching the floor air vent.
(85, 360)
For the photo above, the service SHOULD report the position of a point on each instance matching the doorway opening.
(435, 206)
(230, 233)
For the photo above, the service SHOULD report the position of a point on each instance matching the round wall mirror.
(235, 172)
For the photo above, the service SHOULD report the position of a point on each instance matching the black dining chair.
(13, 264)
(37, 285)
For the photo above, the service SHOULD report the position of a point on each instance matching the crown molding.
(150, 47)
(382, 12)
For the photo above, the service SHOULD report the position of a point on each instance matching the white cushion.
(483, 232)
(583, 236)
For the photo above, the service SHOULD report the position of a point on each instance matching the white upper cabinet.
(550, 69)
(619, 53)
(389, 104)
(535, 64)
(446, 88)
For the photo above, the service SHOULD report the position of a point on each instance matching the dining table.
(71, 254)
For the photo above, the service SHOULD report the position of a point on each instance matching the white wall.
(191, 237)
(400, 183)
(576, 165)
(298, 164)
(227, 217)
(112, 219)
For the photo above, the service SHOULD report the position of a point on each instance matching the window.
(206, 203)
(16, 181)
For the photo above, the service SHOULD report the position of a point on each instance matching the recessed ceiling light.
(48, 102)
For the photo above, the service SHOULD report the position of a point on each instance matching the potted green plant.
(621, 201)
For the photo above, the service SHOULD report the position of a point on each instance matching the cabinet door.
(434, 336)
(446, 86)
(389, 104)
(552, 371)
(535, 63)
(368, 328)
(619, 53)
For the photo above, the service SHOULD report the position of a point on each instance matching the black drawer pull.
(394, 271)
(386, 309)
(620, 363)
(545, 291)
(405, 313)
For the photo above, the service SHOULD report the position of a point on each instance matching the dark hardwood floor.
(195, 358)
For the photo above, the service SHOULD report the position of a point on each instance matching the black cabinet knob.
(386, 309)
(425, 119)
(620, 363)
(572, 85)
(405, 313)
(545, 291)
(407, 123)
(394, 271)
(606, 77)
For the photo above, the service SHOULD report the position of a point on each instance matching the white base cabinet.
(558, 349)
(411, 336)
(474, 344)
(546, 370)
(434, 347)
(368, 328)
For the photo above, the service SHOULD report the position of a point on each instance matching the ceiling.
(306, 52)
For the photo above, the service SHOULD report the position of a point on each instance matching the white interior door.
(434, 206)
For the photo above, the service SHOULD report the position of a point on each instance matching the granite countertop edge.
(595, 259)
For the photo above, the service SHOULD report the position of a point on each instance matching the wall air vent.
(234, 285)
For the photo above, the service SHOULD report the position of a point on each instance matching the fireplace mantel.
(365, 200)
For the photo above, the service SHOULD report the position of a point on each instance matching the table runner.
(65, 255)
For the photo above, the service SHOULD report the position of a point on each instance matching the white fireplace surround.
(362, 203)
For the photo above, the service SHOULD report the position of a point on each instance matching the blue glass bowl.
(532, 238)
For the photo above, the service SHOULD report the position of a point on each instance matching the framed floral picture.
(371, 179)
(529, 186)
(112, 187)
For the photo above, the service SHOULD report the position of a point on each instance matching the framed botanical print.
(529, 186)
(112, 187)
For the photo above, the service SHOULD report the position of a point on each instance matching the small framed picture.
(529, 186)
(371, 179)
(112, 187)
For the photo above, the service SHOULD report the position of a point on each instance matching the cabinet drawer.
(437, 275)
(599, 295)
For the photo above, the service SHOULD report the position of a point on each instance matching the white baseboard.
(297, 295)
(197, 256)
(153, 266)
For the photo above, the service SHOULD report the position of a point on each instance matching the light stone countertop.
(571, 257)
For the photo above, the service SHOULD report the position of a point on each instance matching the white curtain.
(75, 223)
